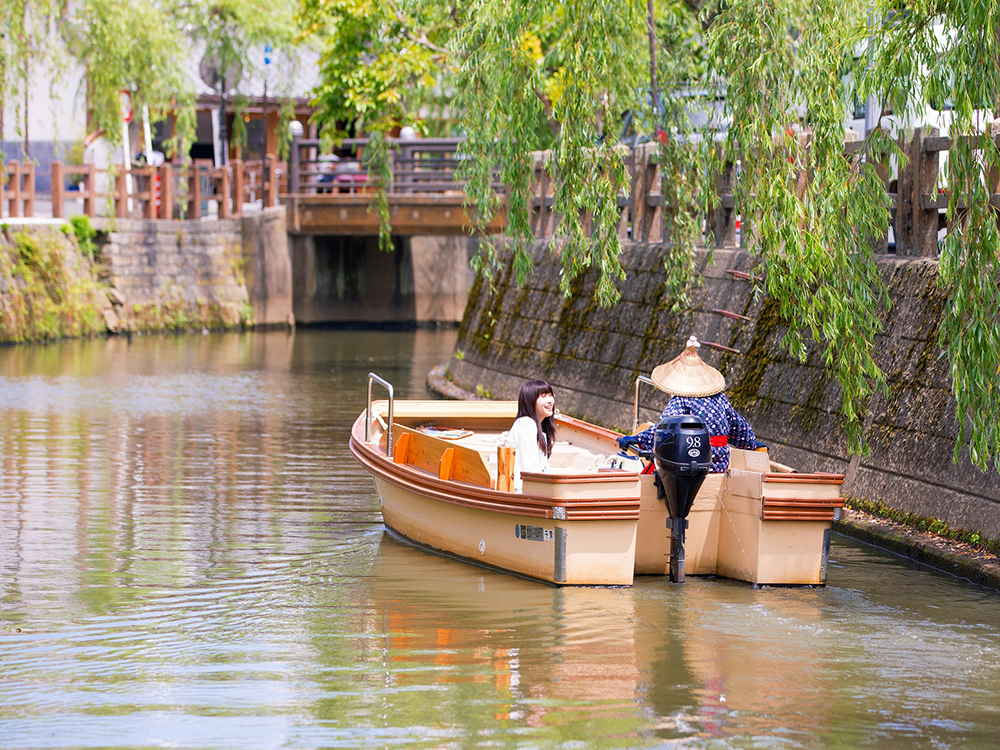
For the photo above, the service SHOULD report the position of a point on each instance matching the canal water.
(189, 557)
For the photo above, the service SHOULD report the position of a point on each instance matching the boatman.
(696, 389)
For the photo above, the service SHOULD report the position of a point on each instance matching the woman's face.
(545, 405)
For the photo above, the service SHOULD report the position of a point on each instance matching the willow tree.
(778, 69)
(28, 29)
(231, 35)
(145, 46)
(381, 60)
(386, 64)
(134, 46)
(950, 51)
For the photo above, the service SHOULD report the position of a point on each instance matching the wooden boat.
(586, 522)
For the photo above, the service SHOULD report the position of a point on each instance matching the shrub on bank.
(47, 289)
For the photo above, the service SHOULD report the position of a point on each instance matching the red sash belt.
(718, 441)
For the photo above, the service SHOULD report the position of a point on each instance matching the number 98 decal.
(693, 446)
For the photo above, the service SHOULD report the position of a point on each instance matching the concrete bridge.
(328, 194)
(339, 273)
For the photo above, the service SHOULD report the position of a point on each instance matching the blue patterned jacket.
(720, 418)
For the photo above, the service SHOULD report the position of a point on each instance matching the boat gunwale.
(460, 493)
(425, 484)
(816, 478)
(606, 477)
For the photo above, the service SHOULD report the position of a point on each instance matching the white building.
(50, 121)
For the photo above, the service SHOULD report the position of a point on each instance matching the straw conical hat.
(687, 375)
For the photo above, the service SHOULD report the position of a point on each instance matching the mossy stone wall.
(592, 357)
(47, 287)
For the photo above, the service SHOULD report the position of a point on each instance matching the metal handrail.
(635, 409)
(368, 413)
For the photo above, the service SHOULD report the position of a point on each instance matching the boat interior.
(423, 431)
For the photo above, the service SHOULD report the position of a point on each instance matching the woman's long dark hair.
(526, 400)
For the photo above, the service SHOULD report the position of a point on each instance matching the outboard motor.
(682, 453)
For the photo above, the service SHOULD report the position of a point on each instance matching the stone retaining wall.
(592, 357)
(164, 274)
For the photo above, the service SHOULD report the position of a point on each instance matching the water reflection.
(190, 557)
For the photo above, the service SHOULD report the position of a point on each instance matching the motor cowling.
(682, 453)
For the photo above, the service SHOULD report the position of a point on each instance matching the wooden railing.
(916, 202)
(416, 165)
(427, 167)
(148, 192)
(162, 192)
(17, 188)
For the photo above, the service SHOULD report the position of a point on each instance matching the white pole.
(147, 135)
(216, 139)
(873, 112)
(127, 164)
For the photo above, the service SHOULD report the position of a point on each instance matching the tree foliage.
(27, 28)
(810, 212)
(936, 52)
(131, 45)
(758, 86)
(381, 62)
(505, 79)
(140, 46)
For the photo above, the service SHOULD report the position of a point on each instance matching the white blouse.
(523, 436)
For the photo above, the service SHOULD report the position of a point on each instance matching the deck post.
(237, 187)
(166, 192)
(29, 189)
(295, 166)
(58, 183)
(194, 193)
(88, 192)
(724, 218)
(270, 181)
(149, 207)
(222, 191)
(925, 221)
(121, 196)
(14, 189)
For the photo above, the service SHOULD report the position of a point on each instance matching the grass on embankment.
(47, 287)
(974, 539)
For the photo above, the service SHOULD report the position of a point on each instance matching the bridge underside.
(352, 214)
(342, 279)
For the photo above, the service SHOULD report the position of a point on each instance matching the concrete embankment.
(592, 357)
(144, 276)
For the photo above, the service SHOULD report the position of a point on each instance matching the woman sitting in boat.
(697, 389)
(534, 431)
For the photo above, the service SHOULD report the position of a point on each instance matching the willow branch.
(422, 39)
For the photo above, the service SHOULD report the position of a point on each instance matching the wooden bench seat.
(443, 458)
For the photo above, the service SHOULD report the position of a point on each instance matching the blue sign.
(268, 49)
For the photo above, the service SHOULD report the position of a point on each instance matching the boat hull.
(580, 524)
(588, 553)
